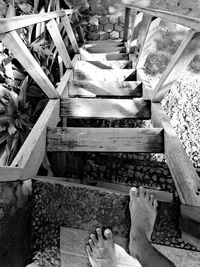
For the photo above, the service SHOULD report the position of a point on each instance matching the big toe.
(108, 235)
(133, 193)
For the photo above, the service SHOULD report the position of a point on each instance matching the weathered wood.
(126, 23)
(95, 88)
(186, 21)
(70, 33)
(184, 174)
(63, 85)
(106, 43)
(179, 62)
(133, 17)
(58, 41)
(105, 139)
(33, 150)
(191, 240)
(102, 56)
(190, 212)
(106, 49)
(14, 23)
(105, 108)
(112, 64)
(190, 227)
(14, 43)
(149, 31)
(86, 71)
(8, 174)
(147, 89)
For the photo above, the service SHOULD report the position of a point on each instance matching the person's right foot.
(143, 210)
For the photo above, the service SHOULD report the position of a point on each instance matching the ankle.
(137, 244)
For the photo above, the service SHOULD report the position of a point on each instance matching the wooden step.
(105, 49)
(107, 42)
(113, 64)
(87, 71)
(72, 248)
(102, 56)
(95, 88)
(105, 139)
(103, 44)
(105, 108)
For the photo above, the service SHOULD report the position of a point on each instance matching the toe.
(108, 234)
(147, 196)
(88, 250)
(151, 200)
(133, 193)
(91, 243)
(142, 193)
(99, 234)
(93, 237)
(155, 203)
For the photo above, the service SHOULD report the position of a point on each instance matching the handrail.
(190, 22)
(14, 23)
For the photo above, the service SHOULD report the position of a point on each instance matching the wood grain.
(105, 139)
(8, 174)
(95, 88)
(105, 108)
(184, 174)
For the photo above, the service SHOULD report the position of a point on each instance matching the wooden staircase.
(104, 81)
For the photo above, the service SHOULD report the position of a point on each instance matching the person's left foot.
(100, 250)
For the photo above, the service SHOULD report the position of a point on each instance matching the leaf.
(10, 11)
(4, 119)
(3, 136)
(8, 67)
(22, 94)
(11, 129)
(25, 7)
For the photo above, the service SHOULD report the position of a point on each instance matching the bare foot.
(143, 210)
(101, 251)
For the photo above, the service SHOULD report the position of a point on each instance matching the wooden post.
(126, 23)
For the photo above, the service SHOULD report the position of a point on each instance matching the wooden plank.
(14, 23)
(33, 150)
(179, 62)
(106, 49)
(70, 33)
(190, 22)
(86, 71)
(126, 23)
(63, 85)
(105, 139)
(190, 212)
(113, 64)
(184, 174)
(103, 43)
(102, 56)
(147, 89)
(58, 41)
(149, 31)
(14, 43)
(190, 227)
(107, 42)
(105, 108)
(95, 88)
(8, 174)
(133, 17)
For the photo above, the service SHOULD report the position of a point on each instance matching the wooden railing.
(32, 152)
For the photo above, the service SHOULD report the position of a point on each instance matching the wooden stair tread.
(105, 108)
(103, 56)
(95, 88)
(105, 139)
(113, 64)
(106, 49)
(87, 71)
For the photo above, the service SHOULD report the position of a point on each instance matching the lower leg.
(143, 210)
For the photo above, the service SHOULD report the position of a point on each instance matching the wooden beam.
(8, 173)
(33, 150)
(190, 212)
(86, 71)
(62, 88)
(147, 89)
(105, 108)
(105, 139)
(178, 64)
(15, 44)
(113, 64)
(14, 23)
(70, 33)
(58, 41)
(190, 227)
(149, 30)
(126, 23)
(186, 21)
(184, 174)
(95, 88)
